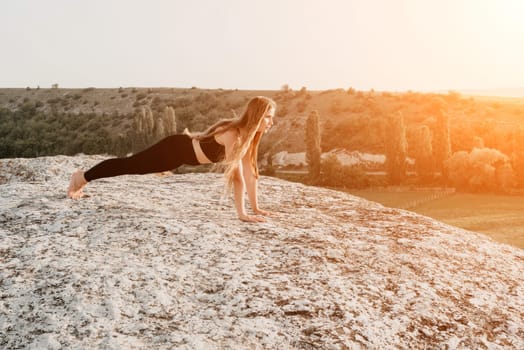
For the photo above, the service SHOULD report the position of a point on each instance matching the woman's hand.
(251, 218)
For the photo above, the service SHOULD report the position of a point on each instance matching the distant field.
(500, 217)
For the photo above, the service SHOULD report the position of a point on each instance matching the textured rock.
(150, 262)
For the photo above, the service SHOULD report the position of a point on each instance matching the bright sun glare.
(509, 14)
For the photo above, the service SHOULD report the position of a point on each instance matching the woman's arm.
(239, 188)
(228, 138)
(251, 183)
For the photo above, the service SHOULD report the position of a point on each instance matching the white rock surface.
(284, 158)
(348, 158)
(149, 262)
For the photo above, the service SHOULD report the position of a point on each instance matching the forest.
(472, 143)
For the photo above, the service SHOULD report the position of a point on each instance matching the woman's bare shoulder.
(227, 137)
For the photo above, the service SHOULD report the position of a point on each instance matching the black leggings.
(167, 154)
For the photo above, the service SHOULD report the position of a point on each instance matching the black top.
(214, 151)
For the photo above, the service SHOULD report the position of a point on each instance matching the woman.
(234, 141)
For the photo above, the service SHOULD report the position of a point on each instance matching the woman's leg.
(167, 154)
(76, 185)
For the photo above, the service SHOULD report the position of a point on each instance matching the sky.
(386, 45)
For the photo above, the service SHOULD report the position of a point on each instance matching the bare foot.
(76, 185)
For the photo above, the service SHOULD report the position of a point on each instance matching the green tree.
(517, 157)
(143, 129)
(423, 152)
(396, 148)
(336, 174)
(313, 151)
(441, 142)
(478, 142)
(169, 120)
(482, 169)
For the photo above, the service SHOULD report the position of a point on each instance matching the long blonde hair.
(248, 138)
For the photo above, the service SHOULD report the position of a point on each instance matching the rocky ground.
(151, 262)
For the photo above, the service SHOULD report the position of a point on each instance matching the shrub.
(282, 111)
(301, 106)
(335, 107)
(335, 174)
(482, 169)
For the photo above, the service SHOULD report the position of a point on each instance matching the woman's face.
(267, 121)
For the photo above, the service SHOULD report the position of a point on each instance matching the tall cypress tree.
(313, 151)
(441, 142)
(396, 148)
(169, 120)
(423, 152)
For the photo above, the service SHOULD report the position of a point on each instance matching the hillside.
(510, 93)
(70, 121)
(160, 262)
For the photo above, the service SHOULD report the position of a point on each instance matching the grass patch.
(498, 216)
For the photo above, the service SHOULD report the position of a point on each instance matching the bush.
(301, 106)
(335, 174)
(140, 96)
(282, 111)
(482, 169)
(336, 107)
